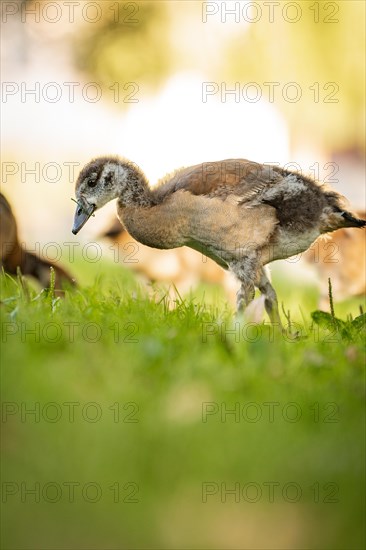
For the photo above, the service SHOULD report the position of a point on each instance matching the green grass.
(152, 390)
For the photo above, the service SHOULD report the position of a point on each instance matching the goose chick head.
(100, 181)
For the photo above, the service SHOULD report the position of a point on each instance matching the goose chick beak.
(83, 212)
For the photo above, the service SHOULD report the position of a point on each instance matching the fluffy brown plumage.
(241, 214)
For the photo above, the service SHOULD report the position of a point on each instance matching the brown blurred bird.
(342, 258)
(182, 267)
(13, 255)
(241, 214)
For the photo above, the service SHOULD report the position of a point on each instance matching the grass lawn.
(129, 425)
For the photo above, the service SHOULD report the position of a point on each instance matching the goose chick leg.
(244, 296)
(245, 271)
(270, 298)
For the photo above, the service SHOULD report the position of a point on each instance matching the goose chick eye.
(92, 181)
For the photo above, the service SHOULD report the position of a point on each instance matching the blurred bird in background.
(341, 257)
(182, 269)
(15, 256)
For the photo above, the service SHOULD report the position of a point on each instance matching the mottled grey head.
(98, 183)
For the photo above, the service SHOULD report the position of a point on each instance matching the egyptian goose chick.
(14, 255)
(241, 214)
